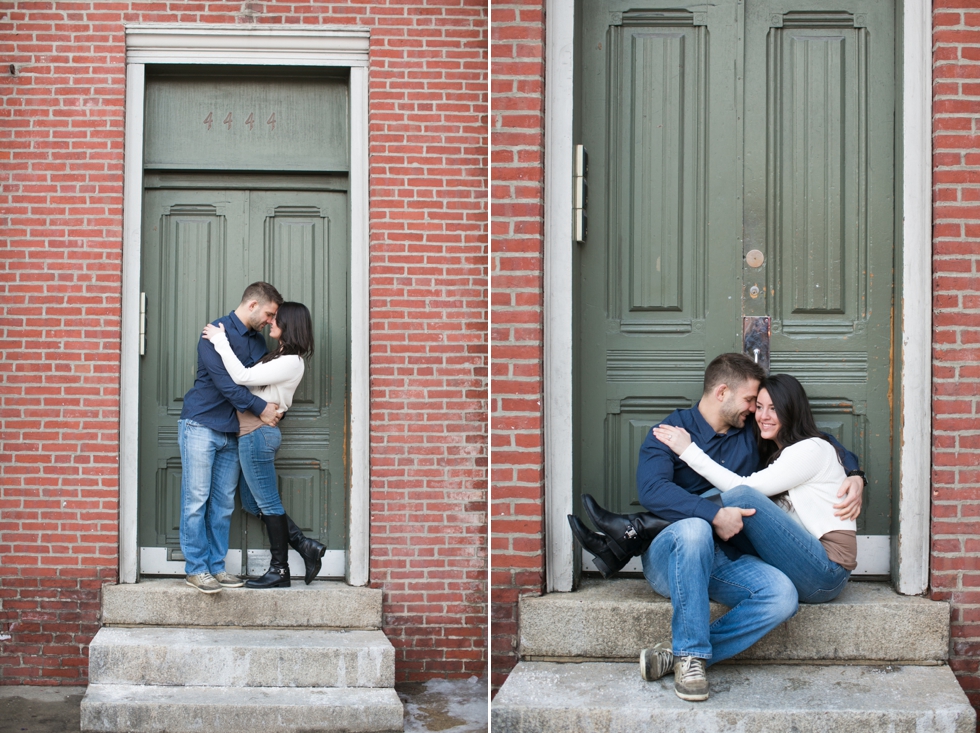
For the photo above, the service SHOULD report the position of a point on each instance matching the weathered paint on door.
(713, 131)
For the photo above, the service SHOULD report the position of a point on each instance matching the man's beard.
(733, 416)
(256, 323)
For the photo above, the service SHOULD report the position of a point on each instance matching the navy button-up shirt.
(215, 397)
(671, 489)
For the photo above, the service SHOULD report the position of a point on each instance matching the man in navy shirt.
(207, 433)
(691, 560)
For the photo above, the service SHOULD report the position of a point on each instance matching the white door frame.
(334, 46)
(910, 545)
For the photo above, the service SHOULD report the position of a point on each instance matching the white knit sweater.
(274, 381)
(809, 470)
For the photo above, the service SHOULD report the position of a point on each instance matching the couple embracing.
(228, 436)
(750, 505)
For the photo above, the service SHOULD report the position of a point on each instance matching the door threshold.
(874, 557)
(157, 561)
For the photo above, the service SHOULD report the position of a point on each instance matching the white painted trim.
(333, 564)
(559, 92)
(359, 528)
(873, 551)
(251, 45)
(911, 574)
(129, 359)
(153, 561)
(910, 569)
(332, 46)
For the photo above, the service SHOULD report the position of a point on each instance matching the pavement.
(443, 706)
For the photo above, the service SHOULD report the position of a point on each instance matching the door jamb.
(910, 544)
(334, 46)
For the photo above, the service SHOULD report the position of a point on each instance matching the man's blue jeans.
(209, 475)
(786, 544)
(259, 487)
(683, 564)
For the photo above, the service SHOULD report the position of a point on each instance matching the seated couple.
(228, 438)
(759, 556)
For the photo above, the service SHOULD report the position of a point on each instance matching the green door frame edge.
(910, 536)
(334, 46)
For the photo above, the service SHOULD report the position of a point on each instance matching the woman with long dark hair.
(274, 379)
(796, 530)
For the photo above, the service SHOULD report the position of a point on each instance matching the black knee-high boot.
(277, 576)
(309, 549)
(628, 535)
(597, 544)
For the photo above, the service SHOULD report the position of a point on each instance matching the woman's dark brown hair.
(792, 407)
(296, 325)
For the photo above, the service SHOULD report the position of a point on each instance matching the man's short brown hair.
(731, 369)
(261, 292)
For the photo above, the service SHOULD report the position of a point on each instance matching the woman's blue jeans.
(784, 543)
(258, 486)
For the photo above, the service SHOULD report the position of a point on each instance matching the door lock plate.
(755, 339)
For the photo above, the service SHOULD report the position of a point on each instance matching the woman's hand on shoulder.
(677, 439)
(210, 331)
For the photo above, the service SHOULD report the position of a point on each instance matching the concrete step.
(241, 657)
(139, 709)
(542, 697)
(171, 602)
(615, 619)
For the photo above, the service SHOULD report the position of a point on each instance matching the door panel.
(304, 253)
(191, 261)
(824, 186)
(657, 102)
(200, 249)
(713, 131)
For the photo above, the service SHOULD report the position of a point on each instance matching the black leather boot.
(277, 576)
(310, 550)
(628, 534)
(605, 561)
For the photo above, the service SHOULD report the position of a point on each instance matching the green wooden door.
(200, 249)
(713, 131)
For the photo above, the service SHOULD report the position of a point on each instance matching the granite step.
(543, 697)
(152, 709)
(222, 657)
(614, 619)
(171, 602)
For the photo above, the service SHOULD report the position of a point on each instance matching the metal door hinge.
(581, 193)
(142, 323)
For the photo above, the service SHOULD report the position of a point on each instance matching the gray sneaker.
(690, 680)
(656, 661)
(227, 580)
(204, 582)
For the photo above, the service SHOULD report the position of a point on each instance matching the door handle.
(755, 339)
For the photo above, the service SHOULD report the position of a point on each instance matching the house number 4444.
(228, 121)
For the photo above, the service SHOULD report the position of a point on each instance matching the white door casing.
(333, 46)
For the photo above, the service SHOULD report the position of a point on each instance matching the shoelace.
(692, 669)
(205, 577)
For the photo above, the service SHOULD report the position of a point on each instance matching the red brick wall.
(956, 330)
(517, 194)
(61, 147)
